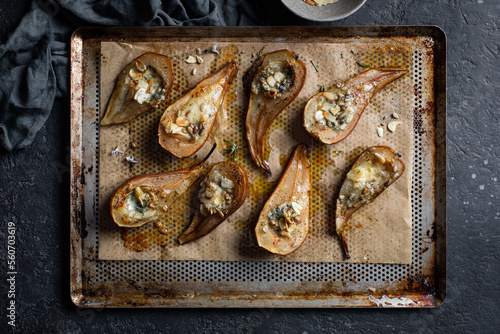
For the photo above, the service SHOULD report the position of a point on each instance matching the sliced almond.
(334, 110)
(167, 124)
(180, 135)
(380, 158)
(392, 126)
(271, 81)
(329, 96)
(181, 121)
(285, 234)
(329, 116)
(140, 65)
(297, 207)
(133, 73)
(324, 106)
(191, 60)
(278, 76)
(282, 224)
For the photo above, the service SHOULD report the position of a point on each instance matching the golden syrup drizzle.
(137, 242)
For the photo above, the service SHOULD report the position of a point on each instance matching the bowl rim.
(336, 18)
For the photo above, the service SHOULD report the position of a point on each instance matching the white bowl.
(331, 12)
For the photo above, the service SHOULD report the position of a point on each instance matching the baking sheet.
(169, 283)
(381, 232)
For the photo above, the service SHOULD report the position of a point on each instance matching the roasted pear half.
(277, 82)
(222, 192)
(185, 124)
(141, 86)
(375, 170)
(331, 116)
(141, 199)
(284, 221)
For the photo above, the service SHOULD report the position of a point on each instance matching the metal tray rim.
(77, 291)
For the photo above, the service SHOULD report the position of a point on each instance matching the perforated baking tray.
(99, 282)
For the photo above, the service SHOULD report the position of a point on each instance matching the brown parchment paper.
(381, 232)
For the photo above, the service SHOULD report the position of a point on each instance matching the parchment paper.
(381, 232)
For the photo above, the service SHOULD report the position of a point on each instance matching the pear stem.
(207, 156)
(266, 167)
(344, 245)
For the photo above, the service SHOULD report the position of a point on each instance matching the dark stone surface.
(34, 193)
(11, 12)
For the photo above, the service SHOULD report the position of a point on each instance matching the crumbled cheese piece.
(215, 194)
(319, 115)
(116, 152)
(367, 88)
(141, 95)
(131, 160)
(213, 49)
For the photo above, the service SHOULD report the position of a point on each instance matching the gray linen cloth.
(34, 62)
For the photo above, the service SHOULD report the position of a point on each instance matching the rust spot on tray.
(418, 122)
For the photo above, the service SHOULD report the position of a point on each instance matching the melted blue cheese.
(283, 218)
(138, 205)
(334, 109)
(216, 194)
(272, 80)
(148, 85)
(363, 183)
(190, 121)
